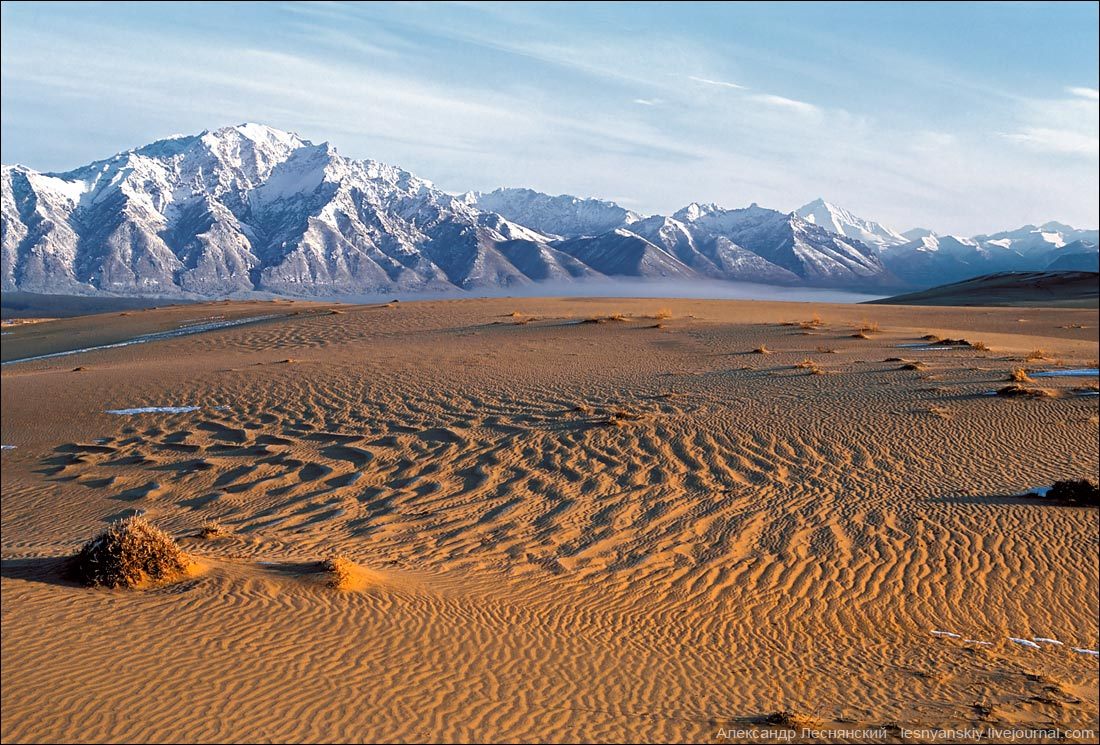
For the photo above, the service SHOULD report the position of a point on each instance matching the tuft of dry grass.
(762, 349)
(663, 314)
(980, 346)
(868, 327)
(1084, 492)
(1019, 375)
(1036, 354)
(813, 323)
(861, 334)
(130, 553)
(1018, 391)
(210, 530)
(617, 317)
(341, 571)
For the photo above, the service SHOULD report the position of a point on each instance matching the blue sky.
(962, 118)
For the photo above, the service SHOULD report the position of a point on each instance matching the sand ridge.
(591, 531)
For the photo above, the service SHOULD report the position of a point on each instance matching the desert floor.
(637, 529)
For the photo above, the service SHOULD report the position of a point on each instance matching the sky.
(963, 118)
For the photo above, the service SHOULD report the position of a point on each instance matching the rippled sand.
(631, 529)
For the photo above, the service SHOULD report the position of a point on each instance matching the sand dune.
(635, 529)
(1051, 289)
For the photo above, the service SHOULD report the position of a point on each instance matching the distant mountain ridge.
(253, 208)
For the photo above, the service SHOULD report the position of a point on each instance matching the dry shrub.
(1019, 375)
(762, 349)
(868, 327)
(1076, 491)
(341, 571)
(980, 346)
(662, 314)
(1036, 354)
(210, 530)
(1019, 391)
(130, 553)
(785, 719)
(930, 338)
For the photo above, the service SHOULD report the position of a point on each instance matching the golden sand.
(630, 530)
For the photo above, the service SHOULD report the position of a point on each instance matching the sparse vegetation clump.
(1076, 491)
(914, 366)
(617, 317)
(1019, 375)
(662, 314)
(762, 349)
(813, 323)
(210, 530)
(1019, 391)
(130, 553)
(980, 346)
(341, 571)
(1036, 354)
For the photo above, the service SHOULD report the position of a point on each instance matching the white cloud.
(719, 83)
(1062, 141)
(1090, 93)
(647, 101)
(786, 103)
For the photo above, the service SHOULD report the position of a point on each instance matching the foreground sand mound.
(130, 553)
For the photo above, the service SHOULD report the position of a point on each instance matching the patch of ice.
(154, 410)
(947, 634)
(1024, 642)
(1040, 491)
(1079, 372)
(7, 447)
(1082, 650)
(978, 641)
(1046, 640)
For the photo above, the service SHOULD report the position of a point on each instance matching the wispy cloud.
(647, 101)
(1062, 141)
(1090, 93)
(786, 103)
(719, 83)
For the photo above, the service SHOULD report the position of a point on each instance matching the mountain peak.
(842, 222)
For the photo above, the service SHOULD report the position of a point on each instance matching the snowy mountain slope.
(252, 208)
(842, 222)
(562, 216)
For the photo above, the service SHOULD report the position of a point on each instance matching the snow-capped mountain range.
(252, 208)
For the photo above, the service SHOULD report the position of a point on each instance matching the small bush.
(663, 314)
(1036, 354)
(130, 553)
(1019, 375)
(342, 571)
(1076, 491)
(1018, 391)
